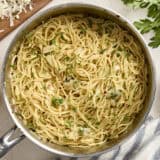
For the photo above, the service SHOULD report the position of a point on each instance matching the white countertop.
(26, 150)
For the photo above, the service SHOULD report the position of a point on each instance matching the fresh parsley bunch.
(152, 22)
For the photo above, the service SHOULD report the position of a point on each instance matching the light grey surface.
(26, 150)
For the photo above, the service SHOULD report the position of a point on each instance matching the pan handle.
(6, 143)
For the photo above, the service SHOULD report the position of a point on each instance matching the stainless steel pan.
(6, 144)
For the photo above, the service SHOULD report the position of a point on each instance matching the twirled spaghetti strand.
(78, 81)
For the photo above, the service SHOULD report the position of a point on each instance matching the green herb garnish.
(31, 126)
(28, 36)
(152, 22)
(118, 54)
(81, 131)
(126, 54)
(83, 30)
(62, 37)
(13, 66)
(75, 84)
(32, 75)
(68, 123)
(65, 138)
(34, 58)
(53, 41)
(114, 95)
(42, 120)
(56, 101)
(126, 119)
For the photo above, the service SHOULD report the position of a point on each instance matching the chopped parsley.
(62, 37)
(13, 66)
(81, 131)
(82, 30)
(32, 74)
(126, 119)
(30, 35)
(118, 54)
(53, 41)
(113, 94)
(31, 126)
(68, 123)
(56, 101)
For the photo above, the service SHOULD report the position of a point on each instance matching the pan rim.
(24, 130)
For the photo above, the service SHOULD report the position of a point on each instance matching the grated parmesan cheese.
(12, 8)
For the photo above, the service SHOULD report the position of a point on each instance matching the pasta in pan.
(77, 80)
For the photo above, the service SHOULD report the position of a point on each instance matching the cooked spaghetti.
(78, 80)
